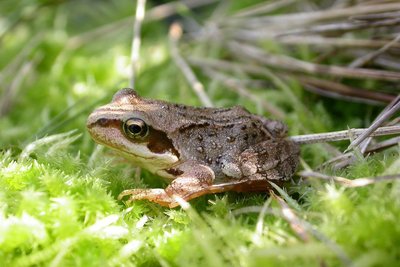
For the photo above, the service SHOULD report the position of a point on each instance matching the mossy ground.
(58, 195)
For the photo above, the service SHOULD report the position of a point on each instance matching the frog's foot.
(194, 180)
(157, 195)
(184, 188)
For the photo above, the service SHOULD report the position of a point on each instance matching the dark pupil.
(135, 129)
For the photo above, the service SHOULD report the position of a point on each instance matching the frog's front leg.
(193, 180)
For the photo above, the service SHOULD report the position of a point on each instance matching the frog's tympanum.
(199, 150)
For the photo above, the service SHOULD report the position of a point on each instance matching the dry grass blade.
(263, 8)
(289, 215)
(242, 91)
(393, 108)
(370, 56)
(348, 182)
(175, 33)
(342, 135)
(365, 143)
(313, 40)
(260, 220)
(290, 64)
(316, 16)
(339, 90)
(250, 69)
(225, 65)
(140, 11)
(379, 16)
(343, 160)
(365, 147)
(343, 27)
(387, 62)
(383, 145)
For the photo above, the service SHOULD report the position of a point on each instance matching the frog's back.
(216, 136)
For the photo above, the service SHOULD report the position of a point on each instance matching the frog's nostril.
(94, 120)
(102, 122)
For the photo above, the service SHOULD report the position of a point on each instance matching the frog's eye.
(135, 128)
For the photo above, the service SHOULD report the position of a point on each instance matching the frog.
(197, 150)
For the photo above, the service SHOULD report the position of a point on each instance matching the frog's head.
(133, 126)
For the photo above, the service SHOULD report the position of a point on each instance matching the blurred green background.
(58, 206)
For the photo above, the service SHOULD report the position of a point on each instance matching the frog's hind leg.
(194, 180)
(274, 160)
(189, 188)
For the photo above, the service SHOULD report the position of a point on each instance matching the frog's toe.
(130, 192)
(156, 195)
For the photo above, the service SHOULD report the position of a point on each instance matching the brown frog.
(200, 150)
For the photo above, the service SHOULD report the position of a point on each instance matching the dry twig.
(288, 20)
(339, 90)
(175, 33)
(314, 40)
(348, 182)
(343, 160)
(392, 108)
(370, 56)
(263, 8)
(383, 145)
(343, 27)
(365, 143)
(342, 135)
(242, 91)
(288, 214)
(291, 64)
(140, 10)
